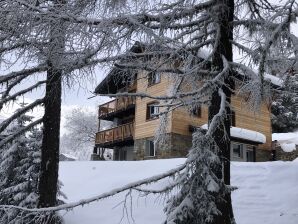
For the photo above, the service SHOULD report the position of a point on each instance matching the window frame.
(148, 149)
(152, 78)
(149, 115)
(239, 155)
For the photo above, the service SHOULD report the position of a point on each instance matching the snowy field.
(267, 192)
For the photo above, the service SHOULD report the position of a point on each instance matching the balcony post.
(99, 124)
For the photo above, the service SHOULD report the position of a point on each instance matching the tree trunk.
(225, 16)
(48, 183)
(50, 143)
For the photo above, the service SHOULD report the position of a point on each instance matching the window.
(150, 149)
(152, 111)
(237, 150)
(153, 78)
(197, 111)
(250, 155)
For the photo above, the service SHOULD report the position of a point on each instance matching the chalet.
(134, 122)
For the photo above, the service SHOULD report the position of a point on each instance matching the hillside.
(267, 192)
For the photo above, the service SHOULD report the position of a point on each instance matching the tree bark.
(50, 143)
(48, 183)
(224, 16)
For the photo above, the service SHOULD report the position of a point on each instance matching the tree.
(81, 127)
(191, 42)
(285, 107)
(19, 169)
(180, 32)
(51, 46)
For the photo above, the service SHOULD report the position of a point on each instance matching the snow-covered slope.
(267, 192)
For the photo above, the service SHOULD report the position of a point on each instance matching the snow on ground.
(267, 192)
(287, 141)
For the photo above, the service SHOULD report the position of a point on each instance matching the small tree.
(19, 171)
(285, 107)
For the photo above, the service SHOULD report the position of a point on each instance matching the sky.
(78, 95)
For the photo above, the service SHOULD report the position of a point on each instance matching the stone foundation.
(263, 155)
(176, 146)
(285, 156)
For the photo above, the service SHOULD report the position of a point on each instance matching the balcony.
(115, 136)
(116, 107)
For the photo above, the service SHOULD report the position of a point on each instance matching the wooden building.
(135, 120)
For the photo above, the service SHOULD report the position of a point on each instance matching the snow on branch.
(18, 113)
(101, 196)
(127, 20)
(19, 132)
(24, 72)
(20, 93)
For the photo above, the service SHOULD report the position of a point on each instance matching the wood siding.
(143, 127)
(259, 121)
(180, 119)
(245, 118)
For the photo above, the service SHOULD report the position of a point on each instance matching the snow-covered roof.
(287, 141)
(274, 79)
(68, 156)
(244, 134)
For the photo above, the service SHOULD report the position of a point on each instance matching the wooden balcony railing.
(120, 103)
(119, 133)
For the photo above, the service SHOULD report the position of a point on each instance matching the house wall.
(143, 127)
(180, 120)
(259, 121)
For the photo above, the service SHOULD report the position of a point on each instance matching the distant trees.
(81, 126)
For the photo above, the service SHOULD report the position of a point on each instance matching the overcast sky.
(76, 96)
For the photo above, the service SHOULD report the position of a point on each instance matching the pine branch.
(11, 137)
(20, 112)
(20, 93)
(24, 72)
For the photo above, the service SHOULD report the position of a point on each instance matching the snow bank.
(267, 192)
(287, 141)
(246, 134)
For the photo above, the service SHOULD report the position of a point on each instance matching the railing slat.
(115, 105)
(118, 133)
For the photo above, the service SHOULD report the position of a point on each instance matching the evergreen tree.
(19, 171)
(285, 107)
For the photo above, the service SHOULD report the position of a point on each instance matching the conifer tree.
(19, 169)
(285, 107)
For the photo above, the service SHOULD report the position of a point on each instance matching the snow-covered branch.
(19, 132)
(21, 111)
(101, 196)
